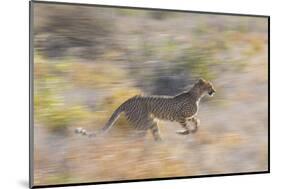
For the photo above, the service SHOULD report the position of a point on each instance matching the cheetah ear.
(201, 80)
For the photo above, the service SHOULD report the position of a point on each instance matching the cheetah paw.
(183, 132)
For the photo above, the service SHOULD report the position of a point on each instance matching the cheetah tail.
(107, 126)
(112, 119)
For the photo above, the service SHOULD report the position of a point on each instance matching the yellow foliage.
(257, 43)
(96, 76)
(59, 117)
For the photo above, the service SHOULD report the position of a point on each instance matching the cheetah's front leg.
(196, 124)
(185, 126)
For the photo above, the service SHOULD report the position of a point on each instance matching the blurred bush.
(72, 31)
(160, 15)
(96, 76)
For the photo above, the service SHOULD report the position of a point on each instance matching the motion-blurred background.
(88, 60)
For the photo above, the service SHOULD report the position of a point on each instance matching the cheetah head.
(206, 87)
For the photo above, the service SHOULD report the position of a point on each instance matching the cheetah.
(142, 112)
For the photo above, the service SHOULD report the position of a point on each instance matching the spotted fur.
(142, 112)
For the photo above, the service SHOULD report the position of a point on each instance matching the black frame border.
(31, 95)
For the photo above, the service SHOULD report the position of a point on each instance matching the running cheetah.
(142, 112)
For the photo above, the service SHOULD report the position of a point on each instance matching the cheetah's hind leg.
(155, 131)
